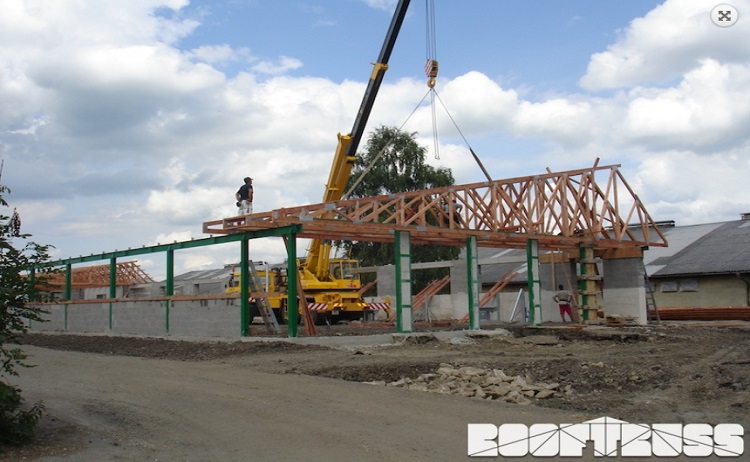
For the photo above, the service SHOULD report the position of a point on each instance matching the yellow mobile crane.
(331, 286)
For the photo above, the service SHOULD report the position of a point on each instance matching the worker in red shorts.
(563, 298)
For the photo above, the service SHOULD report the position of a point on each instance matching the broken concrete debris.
(477, 382)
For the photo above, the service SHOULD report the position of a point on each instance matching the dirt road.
(125, 408)
(157, 399)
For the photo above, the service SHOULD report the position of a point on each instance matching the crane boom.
(376, 78)
(346, 152)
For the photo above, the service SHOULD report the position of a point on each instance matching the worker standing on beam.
(244, 197)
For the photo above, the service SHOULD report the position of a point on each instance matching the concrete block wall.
(624, 289)
(443, 307)
(213, 318)
(146, 317)
(460, 278)
(198, 318)
(386, 286)
(507, 303)
(456, 306)
(88, 317)
(55, 317)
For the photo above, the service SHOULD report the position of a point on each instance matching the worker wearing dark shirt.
(244, 197)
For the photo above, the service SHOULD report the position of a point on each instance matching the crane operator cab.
(344, 269)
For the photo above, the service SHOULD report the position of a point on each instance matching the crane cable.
(431, 68)
(476, 158)
(382, 151)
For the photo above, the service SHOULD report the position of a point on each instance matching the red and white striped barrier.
(317, 306)
(379, 306)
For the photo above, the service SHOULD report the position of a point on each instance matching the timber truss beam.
(127, 274)
(594, 206)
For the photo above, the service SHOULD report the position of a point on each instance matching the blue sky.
(514, 40)
(131, 123)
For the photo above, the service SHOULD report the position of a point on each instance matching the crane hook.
(431, 70)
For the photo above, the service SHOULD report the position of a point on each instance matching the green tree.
(16, 424)
(399, 167)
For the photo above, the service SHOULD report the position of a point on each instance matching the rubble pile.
(478, 383)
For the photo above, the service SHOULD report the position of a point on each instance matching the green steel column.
(291, 275)
(244, 288)
(472, 276)
(113, 277)
(68, 281)
(535, 285)
(404, 321)
(112, 286)
(169, 287)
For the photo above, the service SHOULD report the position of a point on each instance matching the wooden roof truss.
(563, 209)
(128, 273)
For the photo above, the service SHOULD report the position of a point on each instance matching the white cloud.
(174, 236)
(666, 43)
(386, 5)
(219, 54)
(708, 108)
(691, 188)
(282, 65)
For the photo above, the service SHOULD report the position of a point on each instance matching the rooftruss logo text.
(609, 437)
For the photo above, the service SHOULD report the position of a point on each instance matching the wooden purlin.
(559, 210)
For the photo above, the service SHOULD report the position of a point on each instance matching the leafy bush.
(16, 425)
(18, 256)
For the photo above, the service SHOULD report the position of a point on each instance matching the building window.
(669, 286)
(689, 285)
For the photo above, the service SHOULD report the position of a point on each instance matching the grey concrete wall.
(146, 317)
(443, 307)
(387, 282)
(199, 318)
(55, 319)
(624, 289)
(456, 306)
(514, 301)
(215, 318)
(459, 296)
(460, 277)
(88, 317)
